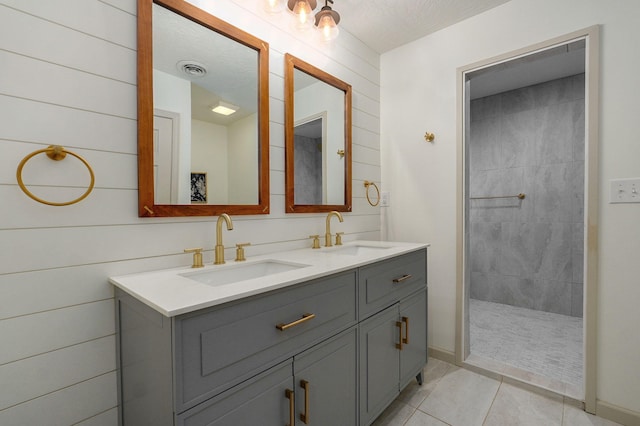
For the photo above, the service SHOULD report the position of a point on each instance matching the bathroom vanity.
(306, 337)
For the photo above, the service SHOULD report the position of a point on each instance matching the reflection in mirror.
(195, 159)
(318, 139)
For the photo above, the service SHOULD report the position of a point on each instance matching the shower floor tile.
(543, 343)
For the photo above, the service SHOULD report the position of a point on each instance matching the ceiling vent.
(192, 68)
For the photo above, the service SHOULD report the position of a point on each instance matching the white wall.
(209, 143)
(418, 94)
(71, 80)
(243, 154)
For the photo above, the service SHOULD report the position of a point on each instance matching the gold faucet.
(327, 235)
(219, 252)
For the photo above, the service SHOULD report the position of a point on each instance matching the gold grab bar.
(305, 317)
(520, 196)
(368, 184)
(56, 153)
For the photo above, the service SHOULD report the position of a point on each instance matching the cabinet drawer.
(385, 283)
(259, 401)
(223, 346)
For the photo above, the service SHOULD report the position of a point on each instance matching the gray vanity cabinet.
(393, 330)
(326, 383)
(317, 387)
(321, 352)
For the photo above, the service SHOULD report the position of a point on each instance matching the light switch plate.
(384, 199)
(625, 191)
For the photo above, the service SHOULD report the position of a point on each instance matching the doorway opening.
(526, 197)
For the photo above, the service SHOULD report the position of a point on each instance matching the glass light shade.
(328, 27)
(272, 6)
(304, 17)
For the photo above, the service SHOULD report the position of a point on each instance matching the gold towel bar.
(520, 196)
(56, 153)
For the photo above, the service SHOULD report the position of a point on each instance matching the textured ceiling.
(386, 24)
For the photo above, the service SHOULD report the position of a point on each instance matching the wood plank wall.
(68, 77)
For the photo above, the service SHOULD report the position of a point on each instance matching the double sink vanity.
(322, 337)
(317, 336)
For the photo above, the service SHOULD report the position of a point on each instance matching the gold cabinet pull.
(405, 339)
(292, 407)
(305, 318)
(305, 416)
(402, 278)
(399, 344)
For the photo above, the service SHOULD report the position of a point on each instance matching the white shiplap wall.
(68, 77)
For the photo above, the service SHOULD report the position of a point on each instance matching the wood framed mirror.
(317, 139)
(193, 161)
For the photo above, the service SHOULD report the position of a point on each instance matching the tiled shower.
(529, 252)
(526, 254)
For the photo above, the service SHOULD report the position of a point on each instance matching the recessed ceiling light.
(224, 108)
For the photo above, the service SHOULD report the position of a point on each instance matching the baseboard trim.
(442, 355)
(617, 414)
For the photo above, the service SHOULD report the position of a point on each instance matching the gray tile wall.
(529, 252)
(308, 170)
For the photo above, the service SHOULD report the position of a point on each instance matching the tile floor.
(541, 344)
(458, 397)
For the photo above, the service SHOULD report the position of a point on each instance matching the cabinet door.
(263, 400)
(326, 378)
(379, 363)
(413, 317)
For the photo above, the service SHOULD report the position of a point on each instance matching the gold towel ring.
(56, 153)
(368, 184)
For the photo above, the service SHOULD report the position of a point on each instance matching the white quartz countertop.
(171, 292)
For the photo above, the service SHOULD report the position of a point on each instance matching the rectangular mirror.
(317, 139)
(203, 121)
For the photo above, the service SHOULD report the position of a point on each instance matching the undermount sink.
(358, 249)
(242, 272)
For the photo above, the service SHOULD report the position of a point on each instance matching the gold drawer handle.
(402, 278)
(399, 344)
(405, 339)
(305, 416)
(292, 406)
(305, 317)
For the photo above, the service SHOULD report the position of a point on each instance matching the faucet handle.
(316, 241)
(339, 238)
(240, 252)
(197, 257)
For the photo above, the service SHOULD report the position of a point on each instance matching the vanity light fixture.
(272, 6)
(224, 108)
(327, 21)
(303, 11)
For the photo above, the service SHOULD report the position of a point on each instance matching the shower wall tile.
(484, 147)
(578, 130)
(577, 295)
(519, 137)
(518, 100)
(578, 253)
(553, 296)
(556, 261)
(486, 240)
(556, 91)
(556, 139)
(528, 252)
(554, 185)
(577, 195)
(489, 106)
